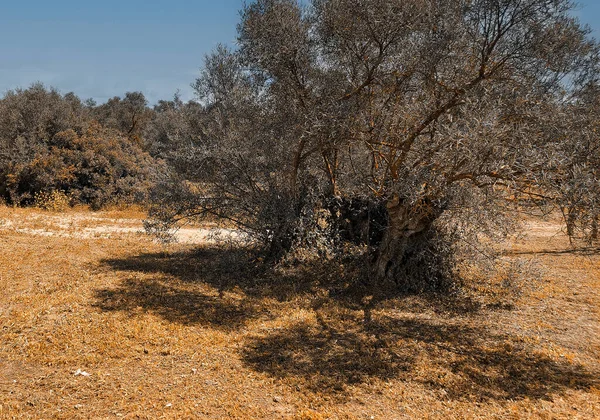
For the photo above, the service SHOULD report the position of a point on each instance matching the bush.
(98, 167)
(54, 200)
(49, 143)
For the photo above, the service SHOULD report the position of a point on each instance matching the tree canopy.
(403, 126)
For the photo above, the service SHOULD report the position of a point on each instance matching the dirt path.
(86, 225)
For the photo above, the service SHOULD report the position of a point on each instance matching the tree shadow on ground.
(222, 269)
(236, 269)
(458, 356)
(460, 362)
(178, 304)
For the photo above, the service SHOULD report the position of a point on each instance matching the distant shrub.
(98, 167)
(50, 142)
(52, 200)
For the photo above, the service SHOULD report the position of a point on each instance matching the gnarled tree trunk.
(408, 226)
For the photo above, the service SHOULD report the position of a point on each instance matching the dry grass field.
(98, 321)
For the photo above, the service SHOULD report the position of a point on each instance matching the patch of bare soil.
(109, 324)
(87, 225)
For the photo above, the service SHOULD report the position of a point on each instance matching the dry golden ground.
(189, 332)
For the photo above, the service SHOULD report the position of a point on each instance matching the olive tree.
(575, 184)
(397, 124)
(130, 114)
(174, 125)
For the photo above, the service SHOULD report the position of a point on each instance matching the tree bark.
(595, 230)
(407, 226)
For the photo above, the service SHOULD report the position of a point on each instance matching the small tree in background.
(175, 125)
(130, 115)
(576, 183)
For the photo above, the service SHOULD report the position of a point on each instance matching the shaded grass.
(177, 304)
(465, 363)
(336, 349)
(225, 269)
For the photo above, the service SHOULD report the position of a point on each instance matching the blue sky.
(105, 48)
